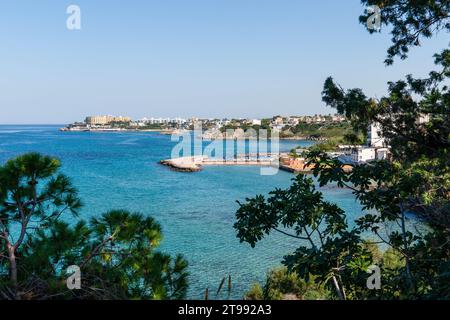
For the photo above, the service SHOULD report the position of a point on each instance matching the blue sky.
(206, 58)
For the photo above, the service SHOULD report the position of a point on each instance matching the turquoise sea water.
(196, 210)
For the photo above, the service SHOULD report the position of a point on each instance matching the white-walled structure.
(374, 138)
(375, 148)
(357, 154)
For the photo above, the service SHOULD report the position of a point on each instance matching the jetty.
(196, 163)
(282, 161)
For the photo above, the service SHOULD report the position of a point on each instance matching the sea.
(121, 170)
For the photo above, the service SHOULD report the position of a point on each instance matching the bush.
(283, 285)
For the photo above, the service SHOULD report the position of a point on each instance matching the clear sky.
(206, 58)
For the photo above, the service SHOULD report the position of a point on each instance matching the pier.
(196, 163)
(282, 161)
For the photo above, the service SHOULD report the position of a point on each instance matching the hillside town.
(319, 128)
(118, 123)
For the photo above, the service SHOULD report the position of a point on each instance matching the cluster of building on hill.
(280, 122)
(375, 148)
(108, 122)
(275, 123)
(121, 123)
(218, 129)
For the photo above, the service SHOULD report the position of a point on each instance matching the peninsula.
(316, 128)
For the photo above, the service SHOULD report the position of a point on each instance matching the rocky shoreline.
(182, 164)
(205, 135)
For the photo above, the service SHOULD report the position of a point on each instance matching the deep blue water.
(196, 210)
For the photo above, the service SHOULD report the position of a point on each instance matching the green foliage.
(246, 127)
(335, 131)
(284, 285)
(327, 242)
(333, 135)
(281, 285)
(116, 252)
(330, 145)
(414, 184)
(256, 292)
(410, 21)
(392, 260)
(354, 138)
(152, 126)
(399, 115)
(416, 179)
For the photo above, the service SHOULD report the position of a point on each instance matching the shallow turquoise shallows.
(196, 210)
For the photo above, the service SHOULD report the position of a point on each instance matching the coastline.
(170, 131)
(139, 163)
(104, 130)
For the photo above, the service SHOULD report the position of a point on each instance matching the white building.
(104, 120)
(374, 138)
(382, 153)
(162, 120)
(356, 154)
(293, 121)
(364, 154)
(337, 118)
(277, 127)
(375, 149)
(278, 120)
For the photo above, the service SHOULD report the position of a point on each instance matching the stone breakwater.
(282, 161)
(184, 164)
(194, 164)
